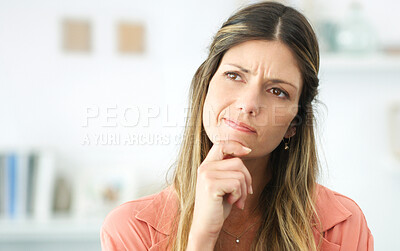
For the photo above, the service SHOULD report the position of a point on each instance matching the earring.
(286, 143)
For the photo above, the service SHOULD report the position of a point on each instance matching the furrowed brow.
(273, 80)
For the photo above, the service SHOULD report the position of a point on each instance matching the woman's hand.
(222, 181)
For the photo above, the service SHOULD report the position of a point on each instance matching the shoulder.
(134, 225)
(128, 210)
(332, 200)
(350, 205)
(343, 221)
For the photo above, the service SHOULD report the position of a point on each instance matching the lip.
(239, 126)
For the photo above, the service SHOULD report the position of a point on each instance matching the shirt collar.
(160, 214)
(330, 211)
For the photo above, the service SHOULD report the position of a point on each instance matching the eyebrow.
(273, 80)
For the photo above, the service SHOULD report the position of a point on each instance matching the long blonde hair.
(287, 201)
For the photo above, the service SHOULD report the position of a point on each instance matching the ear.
(291, 131)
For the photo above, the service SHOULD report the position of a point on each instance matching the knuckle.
(238, 193)
(206, 175)
(237, 185)
(242, 177)
(209, 187)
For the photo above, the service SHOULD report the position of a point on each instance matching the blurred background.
(93, 99)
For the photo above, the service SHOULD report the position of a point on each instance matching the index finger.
(225, 148)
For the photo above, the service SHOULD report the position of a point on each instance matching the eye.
(232, 76)
(278, 92)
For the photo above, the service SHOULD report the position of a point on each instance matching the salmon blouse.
(146, 223)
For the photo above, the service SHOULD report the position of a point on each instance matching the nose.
(248, 101)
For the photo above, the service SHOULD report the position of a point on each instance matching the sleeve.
(107, 243)
(370, 241)
(360, 230)
(122, 231)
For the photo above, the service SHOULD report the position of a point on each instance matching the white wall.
(45, 92)
(356, 142)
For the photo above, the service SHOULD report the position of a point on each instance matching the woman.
(246, 174)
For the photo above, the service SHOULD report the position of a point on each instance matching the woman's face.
(257, 83)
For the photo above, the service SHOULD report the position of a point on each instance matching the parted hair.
(287, 202)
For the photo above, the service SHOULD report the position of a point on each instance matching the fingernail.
(251, 189)
(247, 149)
(243, 207)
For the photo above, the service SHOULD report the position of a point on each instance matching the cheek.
(206, 112)
(274, 130)
(282, 116)
(270, 138)
(213, 106)
(210, 112)
(209, 119)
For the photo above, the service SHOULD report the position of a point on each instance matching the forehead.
(268, 58)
